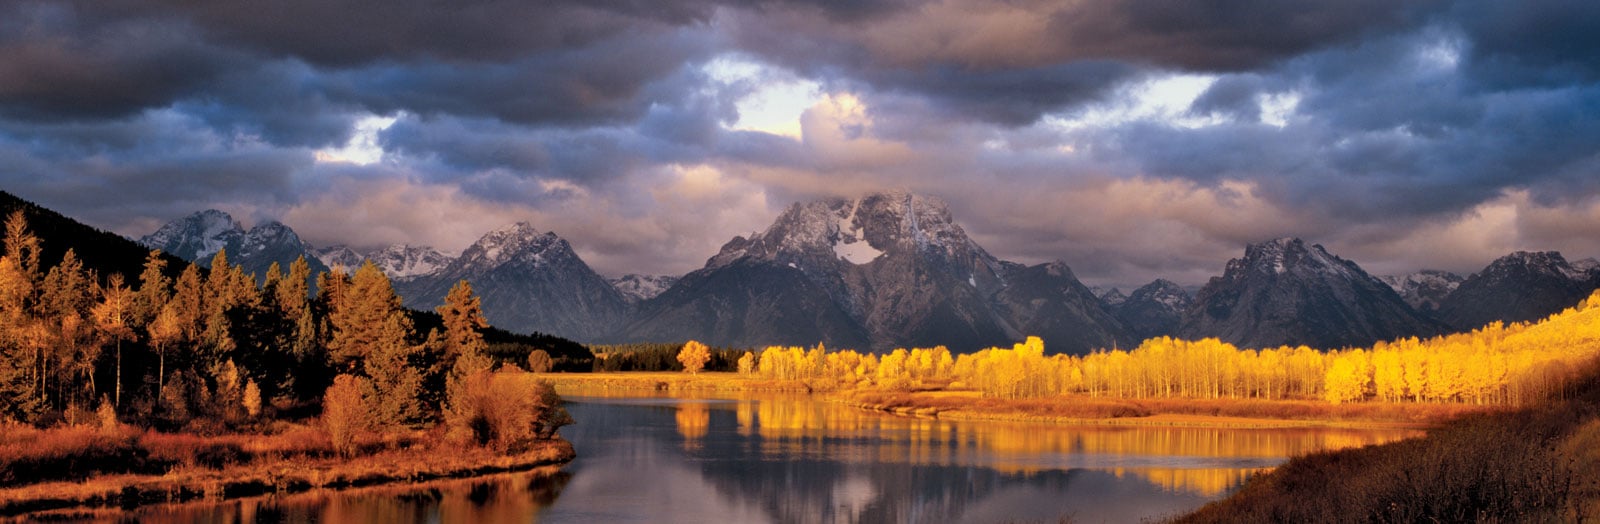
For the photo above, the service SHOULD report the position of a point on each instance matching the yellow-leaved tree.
(694, 356)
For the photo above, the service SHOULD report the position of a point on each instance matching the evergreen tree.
(370, 334)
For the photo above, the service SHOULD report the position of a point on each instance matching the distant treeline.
(659, 357)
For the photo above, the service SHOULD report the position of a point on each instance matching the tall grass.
(1538, 464)
(29, 455)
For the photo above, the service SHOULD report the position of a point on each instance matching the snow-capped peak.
(857, 231)
(1545, 262)
(1111, 297)
(1288, 254)
(198, 236)
(519, 242)
(1164, 292)
(407, 261)
(340, 256)
(1585, 266)
(269, 234)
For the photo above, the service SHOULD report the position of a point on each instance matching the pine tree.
(370, 335)
(463, 318)
(155, 289)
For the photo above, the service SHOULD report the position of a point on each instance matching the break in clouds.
(1130, 138)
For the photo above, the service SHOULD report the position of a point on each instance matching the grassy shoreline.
(1536, 464)
(1070, 410)
(421, 461)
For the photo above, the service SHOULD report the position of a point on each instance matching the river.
(785, 458)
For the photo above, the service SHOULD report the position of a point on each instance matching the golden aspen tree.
(112, 315)
(18, 398)
(693, 356)
(1344, 381)
(164, 331)
(747, 363)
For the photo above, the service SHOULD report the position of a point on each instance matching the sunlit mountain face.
(1130, 140)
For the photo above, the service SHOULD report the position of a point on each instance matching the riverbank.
(960, 404)
(119, 469)
(1537, 464)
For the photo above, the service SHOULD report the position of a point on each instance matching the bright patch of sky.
(1165, 99)
(1444, 53)
(1276, 108)
(776, 98)
(362, 148)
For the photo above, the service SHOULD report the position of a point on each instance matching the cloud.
(56, 64)
(1131, 138)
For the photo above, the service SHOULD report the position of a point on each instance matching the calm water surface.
(793, 459)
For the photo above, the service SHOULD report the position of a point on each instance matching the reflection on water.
(794, 459)
(510, 497)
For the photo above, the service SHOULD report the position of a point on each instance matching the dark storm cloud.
(55, 64)
(1360, 123)
(1533, 43)
(160, 164)
(1223, 35)
(345, 33)
(607, 82)
(1011, 62)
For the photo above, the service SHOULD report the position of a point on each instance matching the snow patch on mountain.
(1586, 265)
(850, 241)
(639, 288)
(407, 261)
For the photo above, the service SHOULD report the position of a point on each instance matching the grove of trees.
(219, 350)
(1498, 364)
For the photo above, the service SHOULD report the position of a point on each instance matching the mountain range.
(198, 238)
(895, 269)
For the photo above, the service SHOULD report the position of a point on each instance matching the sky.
(1132, 139)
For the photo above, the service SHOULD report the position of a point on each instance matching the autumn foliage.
(215, 351)
(693, 356)
(1500, 364)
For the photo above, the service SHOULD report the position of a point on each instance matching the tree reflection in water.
(779, 458)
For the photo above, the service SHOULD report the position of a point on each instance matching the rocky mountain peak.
(856, 231)
(197, 237)
(1154, 310)
(519, 242)
(340, 256)
(1164, 292)
(398, 261)
(639, 288)
(1426, 289)
(1112, 297)
(1546, 263)
(1586, 265)
(1284, 292)
(408, 261)
(527, 280)
(889, 269)
(270, 235)
(1289, 254)
(1521, 286)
